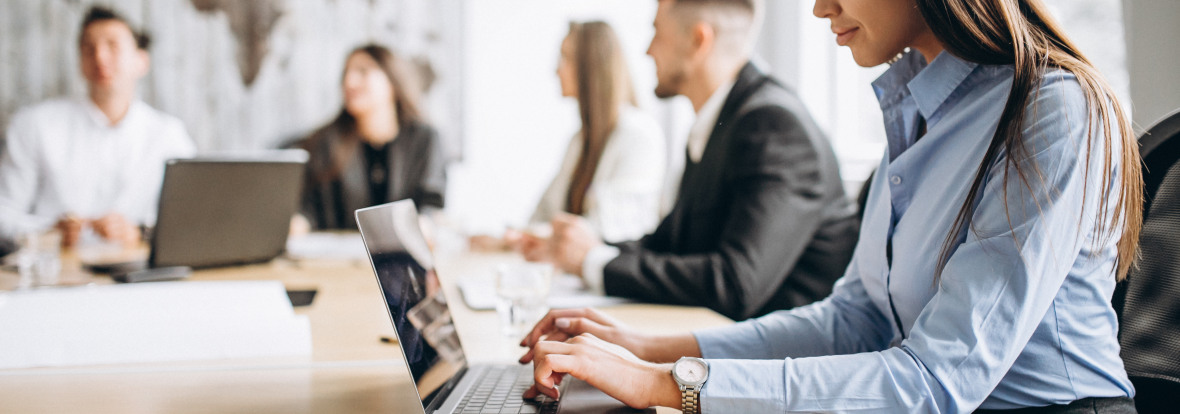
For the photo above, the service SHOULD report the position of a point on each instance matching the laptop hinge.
(440, 395)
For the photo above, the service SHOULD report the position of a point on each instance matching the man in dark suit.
(761, 221)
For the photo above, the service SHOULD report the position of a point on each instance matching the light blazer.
(624, 195)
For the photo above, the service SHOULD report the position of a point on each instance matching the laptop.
(421, 317)
(220, 211)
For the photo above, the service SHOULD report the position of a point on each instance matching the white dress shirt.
(698, 138)
(622, 202)
(64, 156)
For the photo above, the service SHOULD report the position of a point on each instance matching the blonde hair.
(604, 85)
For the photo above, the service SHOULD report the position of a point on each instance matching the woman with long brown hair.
(1007, 205)
(378, 149)
(613, 169)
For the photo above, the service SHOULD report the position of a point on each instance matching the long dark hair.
(1023, 34)
(406, 91)
(604, 84)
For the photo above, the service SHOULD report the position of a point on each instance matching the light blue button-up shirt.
(1022, 314)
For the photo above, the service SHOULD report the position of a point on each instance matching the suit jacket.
(761, 223)
(416, 171)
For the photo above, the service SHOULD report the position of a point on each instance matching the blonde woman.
(613, 169)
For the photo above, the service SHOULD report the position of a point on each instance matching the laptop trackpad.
(580, 397)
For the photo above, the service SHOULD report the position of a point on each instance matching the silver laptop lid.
(226, 210)
(404, 267)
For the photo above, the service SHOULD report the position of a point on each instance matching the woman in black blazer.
(379, 149)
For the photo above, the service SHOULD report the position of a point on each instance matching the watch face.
(690, 371)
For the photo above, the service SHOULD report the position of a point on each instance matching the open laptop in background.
(421, 318)
(219, 211)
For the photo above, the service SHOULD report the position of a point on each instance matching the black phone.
(115, 268)
(301, 297)
(155, 274)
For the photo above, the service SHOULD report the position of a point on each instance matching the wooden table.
(350, 369)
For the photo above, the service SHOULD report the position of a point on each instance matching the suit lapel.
(698, 185)
(748, 81)
(355, 183)
(394, 179)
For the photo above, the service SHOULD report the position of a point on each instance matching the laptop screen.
(404, 267)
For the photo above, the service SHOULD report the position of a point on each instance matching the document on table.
(151, 322)
(327, 245)
(565, 292)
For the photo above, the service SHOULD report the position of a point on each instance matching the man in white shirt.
(94, 163)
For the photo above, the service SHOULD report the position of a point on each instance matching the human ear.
(144, 61)
(704, 39)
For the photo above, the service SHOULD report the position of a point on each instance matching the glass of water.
(39, 259)
(522, 294)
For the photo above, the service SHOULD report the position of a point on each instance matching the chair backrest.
(1149, 301)
(862, 197)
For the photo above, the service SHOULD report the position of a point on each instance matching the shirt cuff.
(739, 341)
(594, 265)
(744, 386)
(713, 341)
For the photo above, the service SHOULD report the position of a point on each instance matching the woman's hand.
(534, 248)
(608, 367)
(562, 324)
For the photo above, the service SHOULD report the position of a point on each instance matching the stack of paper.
(332, 246)
(565, 292)
(152, 322)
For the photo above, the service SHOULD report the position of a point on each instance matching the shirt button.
(896, 180)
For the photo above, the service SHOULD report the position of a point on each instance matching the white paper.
(566, 292)
(327, 246)
(151, 322)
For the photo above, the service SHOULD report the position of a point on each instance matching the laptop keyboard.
(498, 390)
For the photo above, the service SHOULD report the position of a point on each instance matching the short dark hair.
(735, 22)
(99, 14)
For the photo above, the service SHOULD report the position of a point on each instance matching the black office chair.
(1148, 303)
(862, 198)
(6, 247)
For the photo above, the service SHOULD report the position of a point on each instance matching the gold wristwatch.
(690, 373)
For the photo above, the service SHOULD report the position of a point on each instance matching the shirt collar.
(930, 85)
(702, 128)
(100, 119)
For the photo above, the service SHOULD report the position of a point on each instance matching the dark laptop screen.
(404, 267)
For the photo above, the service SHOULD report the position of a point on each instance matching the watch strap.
(690, 402)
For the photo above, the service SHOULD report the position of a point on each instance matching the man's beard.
(672, 87)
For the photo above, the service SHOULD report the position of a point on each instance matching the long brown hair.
(604, 84)
(1023, 34)
(406, 100)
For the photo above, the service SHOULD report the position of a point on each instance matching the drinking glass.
(39, 259)
(522, 294)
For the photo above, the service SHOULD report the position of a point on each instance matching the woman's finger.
(552, 360)
(546, 325)
(577, 326)
(549, 370)
(555, 337)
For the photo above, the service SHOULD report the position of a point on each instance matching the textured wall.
(241, 74)
(1153, 30)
